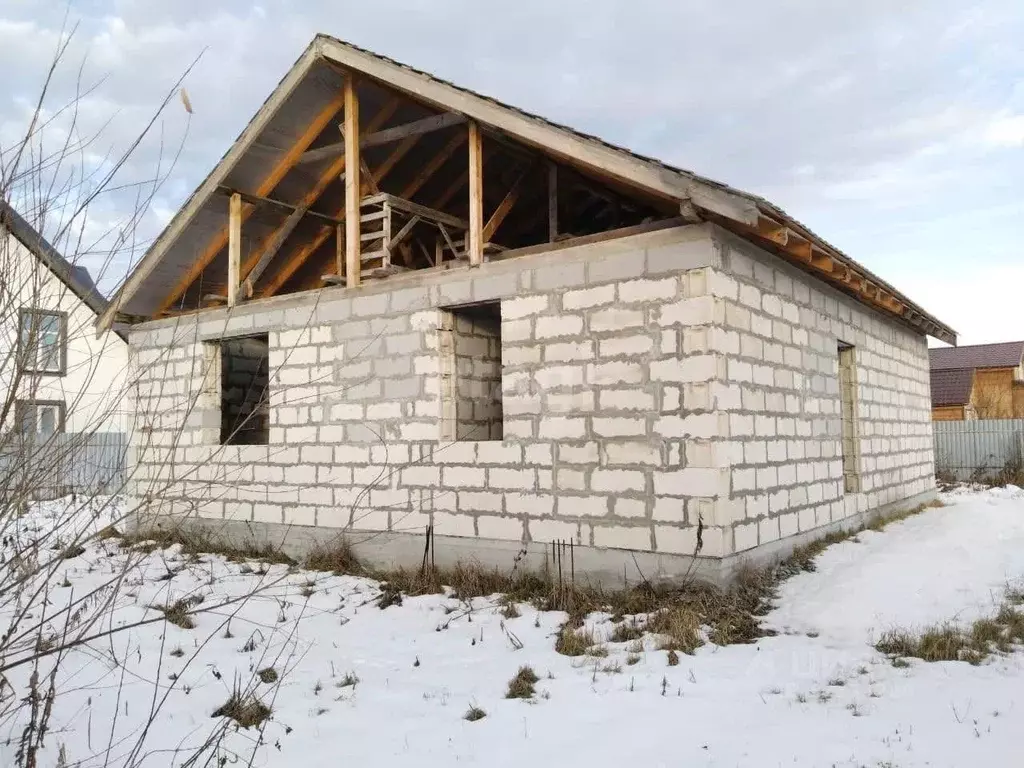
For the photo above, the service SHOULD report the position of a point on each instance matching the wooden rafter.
(505, 206)
(326, 179)
(271, 180)
(271, 247)
(386, 136)
(428, 171)
(474, 237)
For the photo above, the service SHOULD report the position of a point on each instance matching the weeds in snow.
(178, 612)
(268, 675)
(474, 713)
(574, 642)
(522, 685)
(952, 642)
(244, 709)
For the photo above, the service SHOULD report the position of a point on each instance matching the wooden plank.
(257, 200)
(352, 239)
(505, 206)
(476, 195)
(448, 239)
(415, 128)
(339, 250)
(404, 231)
(272, 247)
(427, 172)
(386, 136)
(271, 180)
(416, 209)
(234, 247)
(552, 202)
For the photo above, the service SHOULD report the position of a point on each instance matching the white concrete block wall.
(780, 337)
(648, 384)
(599, 397)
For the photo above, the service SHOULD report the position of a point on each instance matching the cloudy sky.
(894, 129)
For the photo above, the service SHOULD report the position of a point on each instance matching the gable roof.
(75, 277)
(952, 387)
(1004, 355)
(309, 85)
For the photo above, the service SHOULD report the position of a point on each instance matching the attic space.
(427, 179)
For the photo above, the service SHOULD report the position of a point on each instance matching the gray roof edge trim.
(50, 257)
(207, 188)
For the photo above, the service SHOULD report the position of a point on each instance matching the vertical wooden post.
(438, 252)
(352, 196)
(475, 236)
(234, 248)
(385, 243)
(552, 202)
(339, 250)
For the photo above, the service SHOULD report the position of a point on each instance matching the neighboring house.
(453, 313)
(981, 381)
(56, 375)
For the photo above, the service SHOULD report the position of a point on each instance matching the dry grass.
(350, 680)
(522, 685)
(179, 612)
(952, 642)
(574, 642)
(246, 710)
(626, 630)
(676, 614)
(337, 558)
(473, 714)
(268, 675)
(195, 541)
(678, 628)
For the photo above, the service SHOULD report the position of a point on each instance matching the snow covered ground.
(817, 694)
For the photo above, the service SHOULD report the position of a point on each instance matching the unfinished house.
(396, 303)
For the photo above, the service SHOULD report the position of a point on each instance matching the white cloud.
(1006, 131)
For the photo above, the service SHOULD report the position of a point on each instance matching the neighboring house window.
(848, 411)
(470, 349)
(43, 341)
(39, 417)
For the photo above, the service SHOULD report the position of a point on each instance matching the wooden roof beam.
(387, 136)
(505, 206)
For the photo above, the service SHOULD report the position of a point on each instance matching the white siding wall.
(93, 387)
